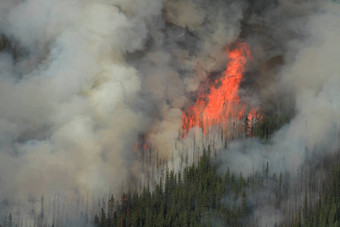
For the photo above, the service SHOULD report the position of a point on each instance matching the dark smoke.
(80, 82)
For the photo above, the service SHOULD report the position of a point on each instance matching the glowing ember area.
(222, 101)
(142, 143)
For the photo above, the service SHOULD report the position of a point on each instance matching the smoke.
(67, 100)
(311, 75)
(80, 81)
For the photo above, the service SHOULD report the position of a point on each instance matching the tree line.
(201, 196)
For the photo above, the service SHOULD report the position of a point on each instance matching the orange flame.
(142, 143)
(222, 101)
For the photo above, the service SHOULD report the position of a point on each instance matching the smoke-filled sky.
(80, 80)
(311, 74)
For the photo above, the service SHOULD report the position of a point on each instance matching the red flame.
(222, 101)
(142, 143)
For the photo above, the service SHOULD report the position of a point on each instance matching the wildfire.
(222, 102)
(142, 143)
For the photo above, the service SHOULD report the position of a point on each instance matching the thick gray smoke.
(66, 119)
(311, 75)
(81, 80)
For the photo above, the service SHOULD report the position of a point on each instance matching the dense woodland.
(201, 192)
(204, 195)
(326, 212)
(264, 127)
(201, 196)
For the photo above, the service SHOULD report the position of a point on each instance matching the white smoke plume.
(81, 80)
(66, 103)
(311, 75)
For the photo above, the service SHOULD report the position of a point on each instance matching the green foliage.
(200, 196)
(265, 126)
(327, 211)
(188, 199)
